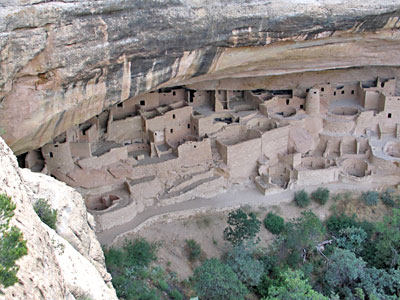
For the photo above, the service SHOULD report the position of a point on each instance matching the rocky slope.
(61, 264)
(62, 62)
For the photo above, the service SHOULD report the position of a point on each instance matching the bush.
(175, 294)
(370, 198)
(274, 223)
(351, 238)
(12, 244)
(387, 198)
(321, 195)
(337, 222)
(301, 198)
(193, 249)
(46, 214)
(215, 280)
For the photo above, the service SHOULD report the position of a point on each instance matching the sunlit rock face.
(63, 62)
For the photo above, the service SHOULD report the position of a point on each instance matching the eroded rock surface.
(59, 263)
(63, 62)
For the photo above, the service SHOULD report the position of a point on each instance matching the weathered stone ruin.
(172, 144)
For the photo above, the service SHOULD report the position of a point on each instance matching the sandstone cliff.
(62, 62)
(61, 264)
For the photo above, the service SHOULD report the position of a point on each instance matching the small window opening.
(287, 101)
(188, 126)
(173, 93)
(342, 92)
(389, 115)
(382, 84)
(322, 89)
(301, 106)
(315, 92)
(194, 146)
(171, 130)
(334, 93)
(120, 104)
(51, 154)
(56, 146)
(142, 102)
(307, 90)
(173, 116)
(352, 92)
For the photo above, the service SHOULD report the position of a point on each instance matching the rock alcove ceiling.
(63, 62)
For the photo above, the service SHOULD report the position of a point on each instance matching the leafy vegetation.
(133, 278)
(242, 261)
(342, 258)
(242, 227)
(12, 244)
(46, 214)
(293, 287)
(193, 250)
(274, 223)
(302, 199)
(370, 198)
(320, 195)
(216, 280)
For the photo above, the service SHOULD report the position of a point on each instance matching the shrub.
(12, 244)
(337, 222)
(175, 294)
(301, 198)
(163, 285)
(387, 198)
(370, 198)
(215, 280)
(193, 249)
(46, 214)
(274, 223)
(242, 227)
(140, 252)
(321, 195)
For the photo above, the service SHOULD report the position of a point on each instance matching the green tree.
(300, 238)
(274, 223)
(293, 287)
(344, 271)
(242, 227)
(216, 280)
(12, 244)
(46, 214)
(248, 269)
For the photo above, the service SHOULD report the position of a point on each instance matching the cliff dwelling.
(172, 144)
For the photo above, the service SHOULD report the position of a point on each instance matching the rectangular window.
(142, 102)
(171, 130)
(389, 115)
(188, 126)
(322, 89)
(120, 104)
(352, 92)
(173, 116)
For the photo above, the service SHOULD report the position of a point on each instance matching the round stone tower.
(313, 102)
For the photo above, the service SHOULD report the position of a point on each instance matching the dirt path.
(236, 196)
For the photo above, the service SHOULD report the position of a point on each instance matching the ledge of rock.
(60, 262)
(63, 62)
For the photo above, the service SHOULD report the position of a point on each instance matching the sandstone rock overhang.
(65, 62)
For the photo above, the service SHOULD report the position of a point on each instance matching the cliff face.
(62, 62)
(61, 264)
